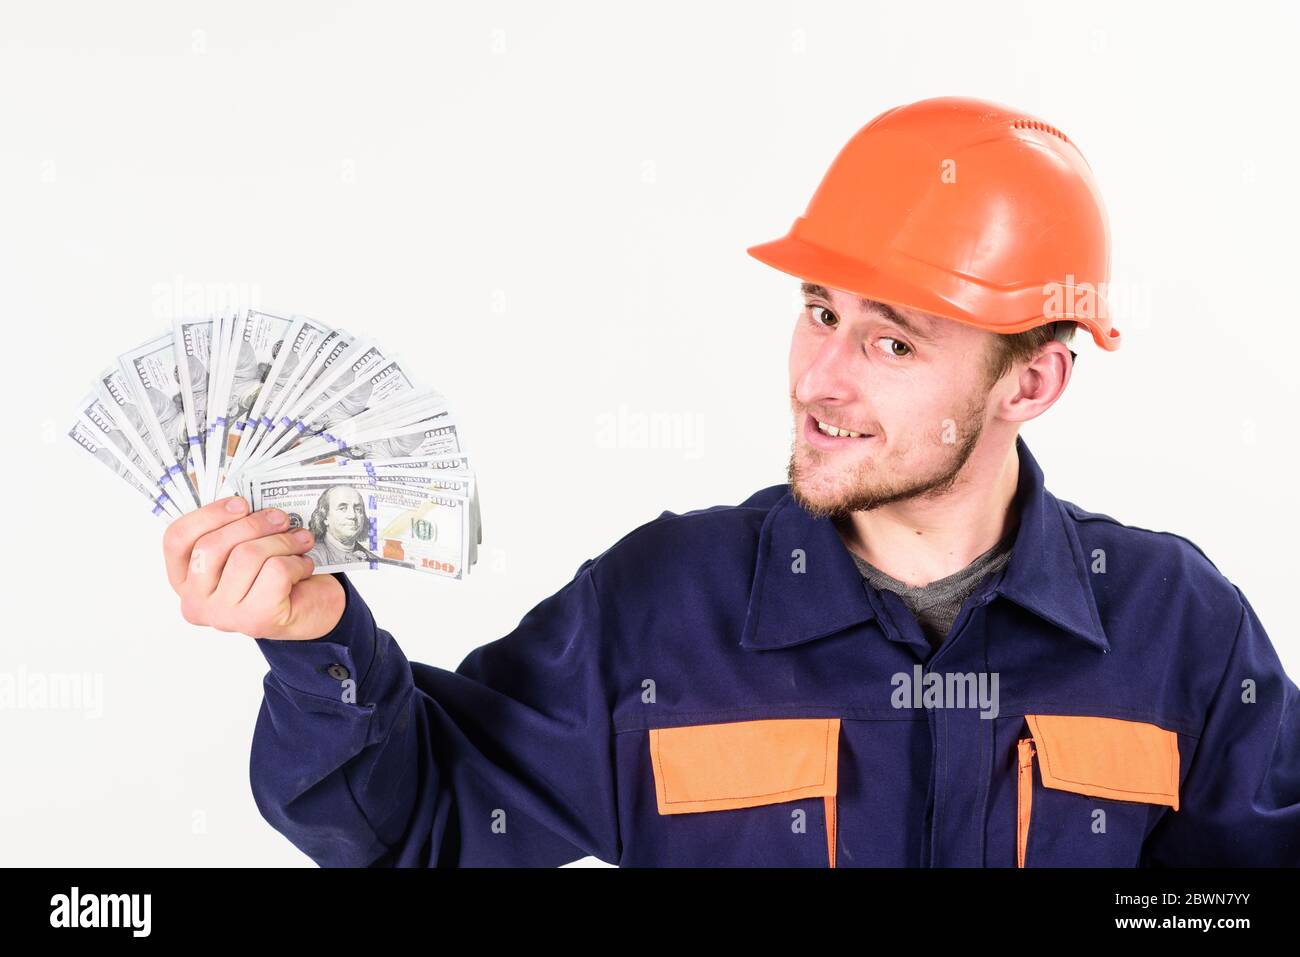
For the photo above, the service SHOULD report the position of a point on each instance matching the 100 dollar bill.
(359, 524)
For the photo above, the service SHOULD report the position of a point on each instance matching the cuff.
(320, 666)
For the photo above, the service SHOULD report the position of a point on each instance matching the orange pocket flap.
(718, 767)
(1107, 757)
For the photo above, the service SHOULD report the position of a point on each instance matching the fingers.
(212, 551)
(248, 560)
(241, 571)
(183, 532)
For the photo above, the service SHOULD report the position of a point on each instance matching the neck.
(924, 539)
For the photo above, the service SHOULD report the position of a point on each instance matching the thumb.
(301, 605)
(317, 602)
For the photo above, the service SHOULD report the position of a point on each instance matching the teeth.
(831, 430)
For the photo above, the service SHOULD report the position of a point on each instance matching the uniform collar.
(807, 586)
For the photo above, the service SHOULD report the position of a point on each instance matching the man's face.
(343, 516)
(912, 385)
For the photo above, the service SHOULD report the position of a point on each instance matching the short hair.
(1010, 348)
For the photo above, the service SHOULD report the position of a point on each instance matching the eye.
(813, 309)
(898, 349)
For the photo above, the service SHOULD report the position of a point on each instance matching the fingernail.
(277, 518)
(235, 505)
(302, 536)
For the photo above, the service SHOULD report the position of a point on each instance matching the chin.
(821, 489)
(823, 502)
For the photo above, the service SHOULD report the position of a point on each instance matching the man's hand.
(236, 571)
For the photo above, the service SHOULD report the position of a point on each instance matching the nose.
(831, 378)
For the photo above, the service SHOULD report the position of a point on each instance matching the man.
(337, 525)
(912, 655)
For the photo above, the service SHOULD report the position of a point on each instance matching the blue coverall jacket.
(721, 687)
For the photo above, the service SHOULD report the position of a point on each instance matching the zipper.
(831, 836)
(1024, 796)
(958, 629)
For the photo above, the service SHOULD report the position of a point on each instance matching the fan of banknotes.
(295, 415)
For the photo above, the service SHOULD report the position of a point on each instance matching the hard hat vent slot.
(1042, 127)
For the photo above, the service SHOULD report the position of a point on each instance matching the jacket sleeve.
(1240, 803)
(506, 761)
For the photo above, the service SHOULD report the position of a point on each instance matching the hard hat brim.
(927, 288)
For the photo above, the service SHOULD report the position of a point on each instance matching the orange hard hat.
(964, 209)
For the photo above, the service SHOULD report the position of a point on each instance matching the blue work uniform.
(721, 687)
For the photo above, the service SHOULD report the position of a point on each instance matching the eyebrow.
(874, 305)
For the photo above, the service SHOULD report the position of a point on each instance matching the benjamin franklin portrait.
(341, 527)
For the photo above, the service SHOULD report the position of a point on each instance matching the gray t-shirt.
(936, 605)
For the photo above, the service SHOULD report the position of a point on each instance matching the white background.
(546, 207)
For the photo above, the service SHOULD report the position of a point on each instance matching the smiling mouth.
(824, 436)
(827, 429)
(821, 429)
